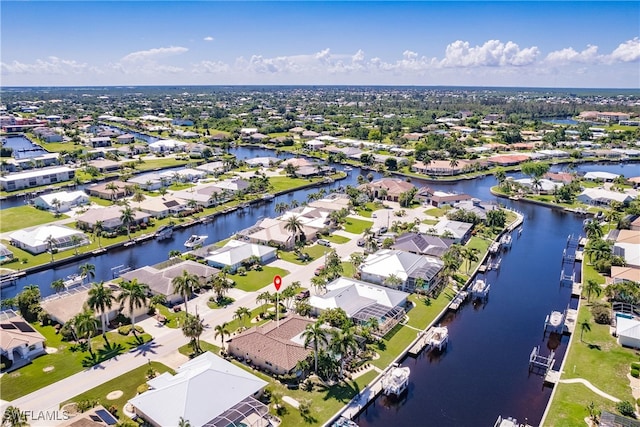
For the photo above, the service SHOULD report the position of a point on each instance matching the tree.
(127, 217)
(291, 170)
(593, 229)
(101, 300)
(184, 286)
(183, 423)
(14, 417)
(535, 169)
(406, 198)
(281, 208)
(87, 271)
(98, 229)
(57, 285)
(293, 226)
(192, 328)
(51, 244)
(113, 187)
(241, 314)
(315, 335)
(471, 255)
(496, 218)
(134, 296)
(220, 285)
(28, 302)
(221, 331)
(584, 326)
(56, 204)
(500, 175)
(594, 413)
(343, 343)
(85, 325)
(75, 242)
(393, 281)
(264, 297)
(356, 258)
(598, 249)
(592, 287)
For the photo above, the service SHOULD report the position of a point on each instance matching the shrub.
(635, 365)
(121, 319)
(635, 373)
(626, 408)
(142, 388)
(601, 314)
(85, 405)
(126, 330)
(66, 332)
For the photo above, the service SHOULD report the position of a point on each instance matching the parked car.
(361, 242)
(324, 242)
(318, 270)
(304, 294)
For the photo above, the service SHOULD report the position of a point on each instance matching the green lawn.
(127, 383)
(336, 239)
(356, 226)
(282, 183)
(256, 280)
(64, 362)
(187, 350)
(25, 216)
(347, 269)
(437, 212)
(367, 209)
(314, 252)
(173, 318)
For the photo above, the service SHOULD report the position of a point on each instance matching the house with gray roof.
(413, 272)
(423, 244)
(109, 218)
(456, 230)
(235, 253)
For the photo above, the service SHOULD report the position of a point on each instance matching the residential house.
(47, 134)
(387, 188)
(627, 245)
(272, 347)
(273, 232)
(423, 244)
(167, 145)
(542, 186)
(211, 168)
(35, 178)
(159, 278)
(628, 331)
(600, 197)
(413, 272)
(235, 253)
(363, 302)
(161, 207)
(100, 141)
(508, 159)
(263, 161)
(233, 185)
(477, 207)
(117, 190)
(109, 217)
(204, 195)
(190, 395)
(61, 201)
(48, 237)
(456, 230)
(601, 176)
(439, 199)
(105, 165)
(441, 167)
(18, 340)
(126, 138)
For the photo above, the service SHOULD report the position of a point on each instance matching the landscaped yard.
(255, 280)
(356, 226)
(25, 216)
(314, 252)
(61, 364)
(437, 212)
(367, 209)
(127, 383)
(334, 238)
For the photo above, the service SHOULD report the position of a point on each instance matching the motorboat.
(73, 280)
(164, 232)
(195, 240)
(268, 197)
(396, 380)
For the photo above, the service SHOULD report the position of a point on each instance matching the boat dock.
(458, 300)
(539, 363)
(437, 337)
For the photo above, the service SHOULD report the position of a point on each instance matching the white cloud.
(628, 51)
(213, 67)
(208, 39)
(492, 53)
(51, 65)
(568, 55)
(153, 54)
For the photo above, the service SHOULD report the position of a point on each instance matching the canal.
(484, 371)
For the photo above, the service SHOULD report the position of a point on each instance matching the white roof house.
(67, 200)
(362, 301)
(544, 185)
(627, 245)
(235, 252)
(600, 196)
(36, 240)
(167, 145)
(192, 394)
(34, 178)
(605, 176)
(628, 331)
(407, 267)
(459, 231)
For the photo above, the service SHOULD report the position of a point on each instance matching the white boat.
(195, 240)
(348, 168)
(480, 289)
(164, 232)
(268, 197)
(506, 241)
(72, 280)
(396, 380)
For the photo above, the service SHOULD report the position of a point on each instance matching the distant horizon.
(541, 44)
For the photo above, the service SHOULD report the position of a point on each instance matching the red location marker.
(277, 282)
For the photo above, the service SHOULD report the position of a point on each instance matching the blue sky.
(528, 43)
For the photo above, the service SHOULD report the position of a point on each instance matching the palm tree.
(51, 243)
(293, 226)
(453, 163)
(14, 417)
(343, 343)
(75, 242)
(56, 204)
(281, 208)
(593, 229)
(592, 287)
(221, 331)
(127, 217)
(57, 285)
(133, 295)
(87, 271)
(98, 229)
(86, 326)
(393, 281)
(101, 299)
(241, 314)
(265, 297)
(471, 255)
(138, 196)
(584, 326)
(598, 249)
(316, 336)
(220, 284)
(192, 328)
(185, 285)
(113, 187)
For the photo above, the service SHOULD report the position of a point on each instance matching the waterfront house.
(393, 187)
(263, 161)
(363, 302)
(272, 347)
(18, 339)
(414, 272)
(423, 244)
(627, 246)
(439, 199)
(206, 391)
(161, 207)
(5, 254)
(48, 237)
(600, 176)
(61, 201)
(623, 274)
(120, 189)
(109, 217)
(441, 167)
(235, 253)
(543, 186)
(151, 181)
(508, 159)
(159, 277)
(273, 232)
(167, 145)
(126, 138)
(47, 134)
(233, 185)
(456, 230)
(211, 168)
(600, 197)
(628, 331)
(35, 178)
(105, 165)
(477, 207)
(100, 141)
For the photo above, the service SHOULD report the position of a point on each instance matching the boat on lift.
(164, 232)
(195, 240)
(396, 381)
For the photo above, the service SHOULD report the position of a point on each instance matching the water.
(137, 135)
(556, 121)
(18, 143)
